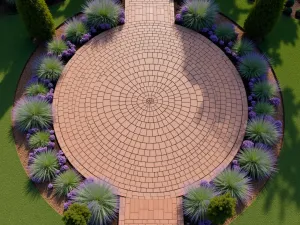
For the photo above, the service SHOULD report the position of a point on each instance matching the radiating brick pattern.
(151, 107)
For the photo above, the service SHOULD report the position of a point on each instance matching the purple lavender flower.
(61, 160)
(235, 162)
(49, 54)
(230, 44)
(51, 145)
(269, 118)
(122, 14)
(35, 180)
(89, 180)
(247, 144)
(253, 103)
(67, 205)
(250, 108)
(28, 135)
(178, 18)
(50, 186)
(52, 137)
(214, 27)
(204, 30)
(51, 132)
(204, 184)
(236, 167)
(210, 33)
(31, 160)
(60, 152)
(71, 194)
(64, 168)
(214, 38)
(205, 222)
(57, 172)
(184, 9)
(275, 101)
(278, 124)
(121, 20)
(221, 42)
(83, 19)
(31, 154)
(50, 85)
(227, 50)
(63, 37)
(252, 114)
(93, 30)
(250, 98)
(262, 146)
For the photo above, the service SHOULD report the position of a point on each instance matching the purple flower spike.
(247, 144)
(51, 145)
(221, 42)
(275, 101)
(64, 168)
(253, 103)
(31, 160)
(89, 180)
(50, 85)
(61, 160)
(278, 124)
(49, 54)
(204, 30)
(51, 132)
(204, 184)
(210, 33)
(83, 19)
(250, 98)
(31, 154)
(252, 114)
(50, 186)
(60, 152)
(178, 18)
(122, 20)
(230, 44)
(236, 167)
(52, 137)
(28, 135)
(214, 38)
(57, 172)
(184, 9)
(250, 108)
(122, 14)
(205, 222)
(227, 50)
(63, 37)
(67, 205)
(235, 162)
(269, 118)
(214, 27)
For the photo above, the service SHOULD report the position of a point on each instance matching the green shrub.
(36, 89)
(56, 46)
(262, 131)
(234, 182)
(196, 201)
(264, 90)
(32, 112)
(65, 182)
(44, 166)
(102, 12)
(253, 65)
(198, 14)
(263, 17)
(289, 3)
(39, 139)
(257, 162)
(264, 109)
(287, 11)
(37, 18)
(77, 215)
(225, 32)
(74, 31)
(243, 46)
(99, 198)
(221, 208)
(50, 68)
(297, 14)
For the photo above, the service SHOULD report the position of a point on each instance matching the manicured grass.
(279, 204)
(20, 202)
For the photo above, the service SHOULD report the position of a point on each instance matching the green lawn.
(278, 205)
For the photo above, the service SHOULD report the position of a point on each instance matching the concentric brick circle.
(150, 109)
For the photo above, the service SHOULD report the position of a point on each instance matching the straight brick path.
(150, 107)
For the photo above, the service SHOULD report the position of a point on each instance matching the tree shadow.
(31, 191)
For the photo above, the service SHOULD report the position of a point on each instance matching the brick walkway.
(150, 107)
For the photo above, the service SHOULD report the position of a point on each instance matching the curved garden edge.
(21, 141)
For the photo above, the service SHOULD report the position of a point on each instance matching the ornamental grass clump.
(56, 46)
(264, 90)
(32, 112)
(257, 162)
(198, 14)
(99, 12)
(65, 182)
(262, 131)
(49, 67)
(39, 139)
(99, 198)
(234, 182)
(44, 167)
(74, 31)
(253, 65)
(77, 215)
(264, 109)
(196, 201)
(36, 89)
(225, 32)
(243, 46)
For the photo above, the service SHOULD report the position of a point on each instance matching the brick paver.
(150, 107)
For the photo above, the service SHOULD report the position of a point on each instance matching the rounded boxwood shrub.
(287, 11)
(264, 109)
(37, 18)
(196, 201)
(44, 167)
(32, 112)
(243, 46)
(99, 12)
(36, 89)
(198, 14)
(39, 139)
(263, 17)
(221, 208)
(99, 198)
(257, 162)
(264, 90)
(253, 65)
(65, 182)
(57, 46)
(262, 131)
(77, 215)
(74, 31)
(234, 182)
(49, 68)
(225, 32)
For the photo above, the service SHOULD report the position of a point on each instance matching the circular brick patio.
(150, 109)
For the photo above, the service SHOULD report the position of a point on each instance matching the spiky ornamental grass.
(36, 89)
(264, 90)
(49, 67)
(253, 65)
(44, 167)
(199, 14)
(264, 109)
(102, 12)
(243, 47)
(39, 139)
(74, 31)
(196, 201)
(225, 32)
(257, 162)
(99, 198)
(262, 131)
(234, 182)
(32, 112)
(65, 182)
(56, 46)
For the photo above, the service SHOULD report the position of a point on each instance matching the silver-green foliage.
(243, 46)
(74, 30)
(39, 139)
(264, 90)
(36, 89)
(49, 68)
(225, 32)
(253, 65)
(65, 182)
(264, 109)
(56, 46)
